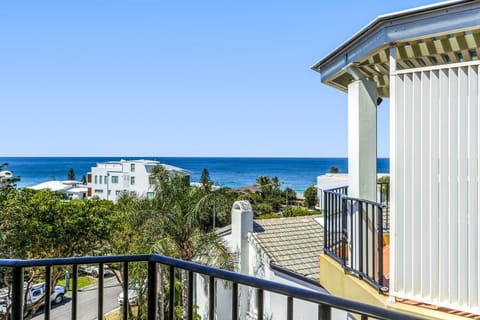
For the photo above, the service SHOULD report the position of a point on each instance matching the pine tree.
(205, 180)
(71, 174)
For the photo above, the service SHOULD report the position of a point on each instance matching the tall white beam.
(362, 139)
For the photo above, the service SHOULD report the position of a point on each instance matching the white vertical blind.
(435, 245)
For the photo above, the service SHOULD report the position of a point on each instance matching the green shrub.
(269, 216)
(299, 211)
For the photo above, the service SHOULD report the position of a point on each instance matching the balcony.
(326, 303)
(357, 234)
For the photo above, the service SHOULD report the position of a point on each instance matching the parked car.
(134, 291)
(3, 300)
(35, 293)
(93, 270)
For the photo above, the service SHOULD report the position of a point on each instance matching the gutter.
(295, 275)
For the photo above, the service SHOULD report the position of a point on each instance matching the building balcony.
(357, 234)
(162, 279)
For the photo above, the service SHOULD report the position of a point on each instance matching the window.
(132, 180)
(151, 180)
(96, 179)
(101, 179)
(114, 179)
(150, 195)
(36, 293)
(132, 167)
(118, 192)
(106, 179)
(98, 191)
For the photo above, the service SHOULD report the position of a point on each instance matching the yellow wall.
(334, 279)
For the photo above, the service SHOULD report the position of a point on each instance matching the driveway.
(87, 302)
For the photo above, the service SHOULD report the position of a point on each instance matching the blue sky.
(176, 78)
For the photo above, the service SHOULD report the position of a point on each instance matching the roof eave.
(381, 38)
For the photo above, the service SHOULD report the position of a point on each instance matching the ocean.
(296, 173)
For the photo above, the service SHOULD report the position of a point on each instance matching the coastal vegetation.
(311, 197)
(41, 224)
(71, 174)
(270, 201)
(179, 221)
(7, 180)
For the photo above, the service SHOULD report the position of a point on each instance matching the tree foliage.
(311, 197)
(205, 180)
(334, 169)
(41, 224)
(71, 174)
(6, 181)
(173, 223)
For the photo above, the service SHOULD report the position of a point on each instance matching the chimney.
(242, 224)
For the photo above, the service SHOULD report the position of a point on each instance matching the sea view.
(296, 173)
(183, 160)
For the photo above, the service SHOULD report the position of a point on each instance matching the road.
(87, 302)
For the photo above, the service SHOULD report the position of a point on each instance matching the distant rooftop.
(294, 243)
(55, 185)
(149, 164)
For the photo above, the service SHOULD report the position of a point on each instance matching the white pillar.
(362, 139)
(242, 225)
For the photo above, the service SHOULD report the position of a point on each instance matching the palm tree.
(178, 208)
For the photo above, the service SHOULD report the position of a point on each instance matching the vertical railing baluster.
(171, 294)
(351, 238)
(290, 308)
(387, 212)
(17, 293)
(211, 298)
(74, 291)
(190, 295)
(100, 290)
(152, 290)
(260, 304)
(125, 290)
(325, 219)
(367, 215)
(380, 246)
(374, 253)
(359, 244)
(332, 223)
(235, 301)
(335, 223)
(324, 312)
(48, 290)
(344, 231)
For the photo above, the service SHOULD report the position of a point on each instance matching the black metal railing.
(383, 196)
(325, 302)
(354, 232)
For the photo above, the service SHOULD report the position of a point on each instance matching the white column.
(242, 225)
(362, 139)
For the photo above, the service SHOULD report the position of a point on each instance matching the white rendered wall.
(122, 170)
(434, 184)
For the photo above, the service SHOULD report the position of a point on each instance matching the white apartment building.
(109, 180)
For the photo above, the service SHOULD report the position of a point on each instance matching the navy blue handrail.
(325, 301)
